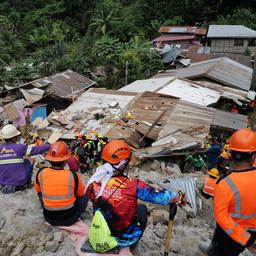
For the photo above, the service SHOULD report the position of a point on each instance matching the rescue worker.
(111, 190)
(235, 201)
(60, 190)
(15, 171)
(224, 159)
(210, 183)
(213, 153)
(37, 141)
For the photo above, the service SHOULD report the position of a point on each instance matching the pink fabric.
(79, 234)
(20, 121)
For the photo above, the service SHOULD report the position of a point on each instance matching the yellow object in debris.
(129, 115)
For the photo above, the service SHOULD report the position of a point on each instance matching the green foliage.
(242, 16)
(42, 37)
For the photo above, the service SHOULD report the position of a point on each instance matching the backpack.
(100, 235)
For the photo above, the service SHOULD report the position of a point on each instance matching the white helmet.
(9, 131)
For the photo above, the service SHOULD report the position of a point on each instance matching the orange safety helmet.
(115, 151)
(58, 152)
(243, 140)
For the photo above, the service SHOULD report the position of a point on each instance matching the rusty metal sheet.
(146, 108)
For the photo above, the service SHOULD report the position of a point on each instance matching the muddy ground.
(23, 232)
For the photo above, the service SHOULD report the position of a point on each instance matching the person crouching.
(60, 190)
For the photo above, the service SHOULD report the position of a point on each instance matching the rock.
(27, 252)
(58, 237)
(48, 237)
(160, 216)
(2, 222)
(180, 217)
(179, 231)
(163, 167)
(40, 249)
(65, 233)
(18, 249)
(160, 230)
(52, 246)
(156, 165)
(45, 228)
(173, 169)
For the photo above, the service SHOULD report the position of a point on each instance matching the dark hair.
(241, 156)
(58, 164)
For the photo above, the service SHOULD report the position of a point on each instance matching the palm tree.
(102, 22)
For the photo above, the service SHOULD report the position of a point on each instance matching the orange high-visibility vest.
(209, 185)
(235, 205)
(57, 188)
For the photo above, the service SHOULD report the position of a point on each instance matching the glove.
(182, 200)
(8, 189)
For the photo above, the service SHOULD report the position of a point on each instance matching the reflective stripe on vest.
(29, 149)
(12, 161)
(69, 195)
(59, 209)
(237, 196)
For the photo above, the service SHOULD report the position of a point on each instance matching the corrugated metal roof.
(146, 108)
(188, 122)
(224, 90)
(191, 92)
(230, 31)
(65, 84)
(183, 30)
(150, 85)
(173, 38)
(101, 98)
(229, 121)
(199, 92)
(222, 70)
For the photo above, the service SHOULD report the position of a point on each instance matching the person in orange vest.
(60, 190)
(235, 201)
(210, 183)
(37, 140)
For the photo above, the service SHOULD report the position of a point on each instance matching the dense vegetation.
(99, 38)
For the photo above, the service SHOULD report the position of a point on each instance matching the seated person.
(15, 171)
(60, 190)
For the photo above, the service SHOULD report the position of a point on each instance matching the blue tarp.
(39, 112)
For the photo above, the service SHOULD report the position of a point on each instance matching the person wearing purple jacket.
(15, 171)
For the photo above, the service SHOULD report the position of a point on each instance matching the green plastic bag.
(100, 235)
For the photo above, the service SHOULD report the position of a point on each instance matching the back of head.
(115, 151)
(58, 152)
(243, 144)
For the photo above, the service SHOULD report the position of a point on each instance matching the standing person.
(213, 154)
(15, 171)
(235, 201)
(116, 195)
(60, 190)
(210, 183)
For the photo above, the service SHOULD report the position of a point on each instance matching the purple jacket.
(12, 170)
